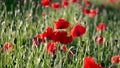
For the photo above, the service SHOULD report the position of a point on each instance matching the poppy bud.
(115, 59)
(63, 48)
(100, 26)
(6, 46)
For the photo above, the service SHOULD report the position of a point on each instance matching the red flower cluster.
(6, 46)
(91, 12)
(56, 36)
(56, 5)
(115, 59)
(99, 27)
(59, 35)
(87, 11)
(90, 63)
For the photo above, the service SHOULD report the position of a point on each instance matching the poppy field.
(60, 34)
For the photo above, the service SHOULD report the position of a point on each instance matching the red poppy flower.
(43, 35)
(66, 40)
(48, 34)
(93, 12)
(73, 1)
(63, 48)
(60, 35)
(100, 26)
(99, 39)
(61, 23)
(77, 30)
(6, 46)
(51, 48)
(45, 2)
(115, 59)
(65, 3)
(88, 62)
(56, 5)
(87, 2)
(111, 1)
(86, 11)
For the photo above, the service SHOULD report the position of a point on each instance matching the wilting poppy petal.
(88, 62)
(99, 39)
(77, 30)
(72, 51)
(51, 48)
(6, 46)
(36, 40)
(115, 59)
(61, 23)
